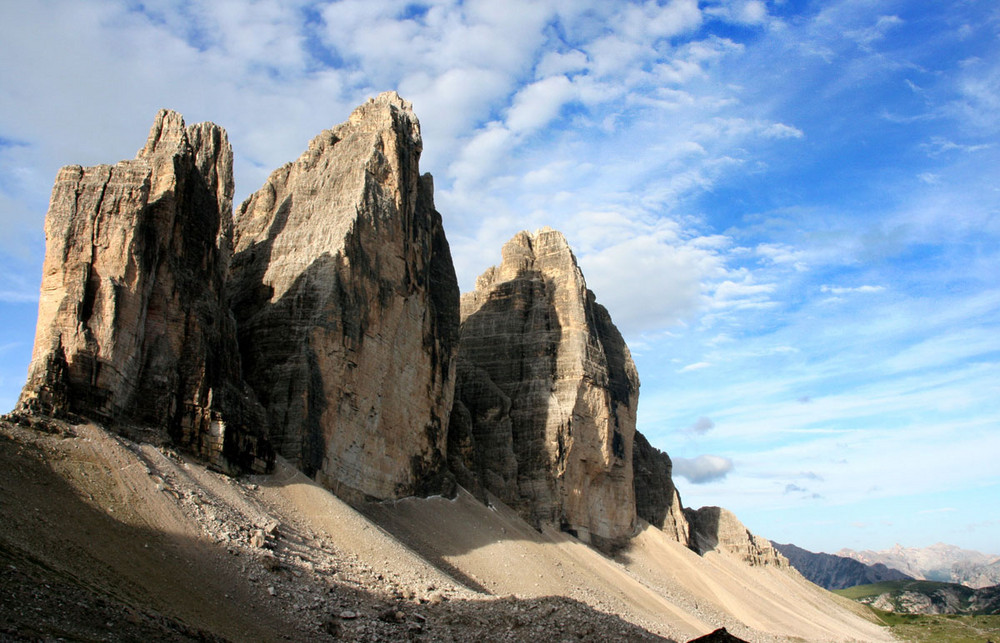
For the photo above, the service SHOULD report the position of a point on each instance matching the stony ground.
(102, 538)
(108, 538)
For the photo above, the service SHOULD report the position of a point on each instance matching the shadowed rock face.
(550, 392)
(480, 436)
(715, 528)
(347, 307)
(656, 498)
(132, 326)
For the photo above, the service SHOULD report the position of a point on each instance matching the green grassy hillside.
(941, 628)
(926, 597)
(928, 587)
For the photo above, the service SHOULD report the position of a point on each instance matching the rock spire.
(347, 307)
(548, 392)
(132, 325)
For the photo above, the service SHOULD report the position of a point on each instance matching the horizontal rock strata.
(347, 307)
(545, 360)
(715, 528)
(132, 326)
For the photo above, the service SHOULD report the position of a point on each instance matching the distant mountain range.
(940, 562)
(837, 572)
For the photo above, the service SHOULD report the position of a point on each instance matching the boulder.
(132, 323)
(347, 307)
(551, 391)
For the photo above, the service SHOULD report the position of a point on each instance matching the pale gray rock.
(546, 361)
(938, 562)
(132, 324)
(347, 307)
(717, 529)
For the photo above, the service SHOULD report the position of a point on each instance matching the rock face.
(132, 325)
(836, 572)
(656, 498)
(347, 307)
(480, 436)
(549, 391)
(715, 528)
(324, 322)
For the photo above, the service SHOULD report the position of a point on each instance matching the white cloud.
(652, 280)
(556, 63)
(870, 34)
(481, 156)
(939, 145)
(671, 19)
(744, 12)
(452, 104)
(741, 127)
(844, 290)
(782, 254)
(697, 366)
(779, 131)
(703, 469)
(735, 293)
(538, 103)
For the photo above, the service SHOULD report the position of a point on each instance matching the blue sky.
(791, 209)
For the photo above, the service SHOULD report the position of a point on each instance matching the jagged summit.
(347, 342)
(132, 325)
(347, 306)
(563, 375)
(323, 321)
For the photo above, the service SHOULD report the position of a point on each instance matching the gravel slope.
(102, 538)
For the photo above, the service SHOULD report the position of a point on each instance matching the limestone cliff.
(480, 436)
(551, 377)
(347, 307)
(132, 325)
(715, 528)
(656, 498)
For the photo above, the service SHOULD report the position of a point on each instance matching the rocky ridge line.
(836, 572)
(346, 320)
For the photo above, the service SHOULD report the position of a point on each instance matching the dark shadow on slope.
(71, 570)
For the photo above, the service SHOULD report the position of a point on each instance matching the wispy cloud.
(697, 366)
(844, 290)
